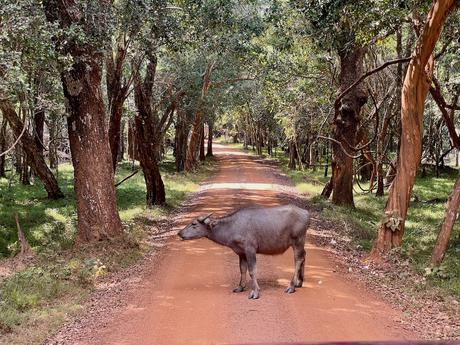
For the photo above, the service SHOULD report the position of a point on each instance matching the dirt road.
(188, 298)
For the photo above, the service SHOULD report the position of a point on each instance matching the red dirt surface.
(187, 298)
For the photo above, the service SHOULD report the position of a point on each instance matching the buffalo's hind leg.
(251, 259)
(299, 258)
(243, 271)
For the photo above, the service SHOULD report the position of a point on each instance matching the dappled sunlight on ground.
(192, 287)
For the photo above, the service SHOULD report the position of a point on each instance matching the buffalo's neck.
(218, 235)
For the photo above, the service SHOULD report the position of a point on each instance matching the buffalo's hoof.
(290, 289)
(254, 294)
(238, 289)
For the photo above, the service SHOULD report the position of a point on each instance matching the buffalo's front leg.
(251, 259)
(243, 270)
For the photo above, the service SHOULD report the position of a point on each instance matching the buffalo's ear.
(210, 223)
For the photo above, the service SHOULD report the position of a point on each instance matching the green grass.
(36, 300)
(422, 224)
(50, 224)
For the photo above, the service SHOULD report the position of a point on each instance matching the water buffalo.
(264, 230)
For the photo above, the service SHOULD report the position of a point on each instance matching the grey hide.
(264, 230)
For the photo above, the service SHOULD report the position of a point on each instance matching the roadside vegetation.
(426, 213)
(369, 89)
(42, 291)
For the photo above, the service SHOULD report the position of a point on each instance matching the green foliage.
(335, 24)
(30, 288)
(49, 225)
(38, 299)
(422, 224)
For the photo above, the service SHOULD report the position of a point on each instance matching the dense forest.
(102, 102)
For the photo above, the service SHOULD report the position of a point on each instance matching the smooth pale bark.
(445, 232)
(415, 89)
(97, 213)
(33, 153)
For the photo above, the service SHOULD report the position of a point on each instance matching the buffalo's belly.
(272, 250)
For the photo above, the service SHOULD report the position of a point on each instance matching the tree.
(150, 129)
(33, 152)
(346, 122)
(450, 216)
(97, 213)
(3, 148)
(117, 92)
(194, 145)
(414, 93)
(231, 26)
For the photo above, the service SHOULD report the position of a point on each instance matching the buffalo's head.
(199, 228)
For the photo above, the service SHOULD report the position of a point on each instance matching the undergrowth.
(425, 215)
(36, 300)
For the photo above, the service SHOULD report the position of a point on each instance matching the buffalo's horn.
(202, 219)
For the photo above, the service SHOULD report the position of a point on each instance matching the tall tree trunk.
(39, 126)
(380, 154)
(180, 140)
(156, 194)
(25, 172)
(210, 133)
(312, 156)
(3, 148)
(116, 110)
(147, 141)
(117, 92)
(346, 123)
(33, 153)
(202, 156)
(193, 146)
(53, 142)
(121, 146)
(132, 142)
(292, 155)
(415, 89)
(450, 216)
(97, 213)
(150, 130)
(245, 140)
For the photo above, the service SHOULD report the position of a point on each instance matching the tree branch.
(367, 74)
(341, 145)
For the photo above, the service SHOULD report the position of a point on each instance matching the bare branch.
(341, 145)
(367, 74)
(17, 140)
(127, 178)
